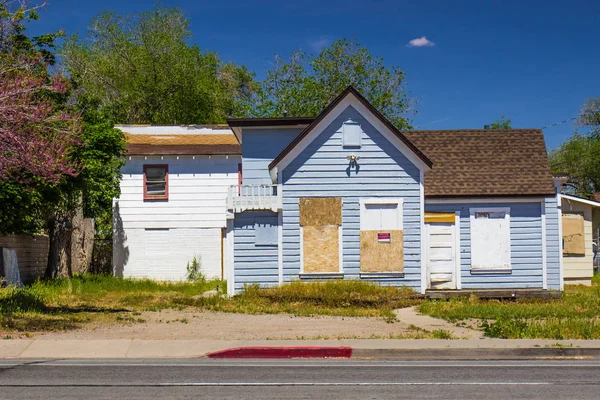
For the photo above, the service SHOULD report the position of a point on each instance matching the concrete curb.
(284, 352)
(477, 354)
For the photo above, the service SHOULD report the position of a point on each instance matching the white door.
(441, 255)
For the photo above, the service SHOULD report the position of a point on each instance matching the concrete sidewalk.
(366, 348)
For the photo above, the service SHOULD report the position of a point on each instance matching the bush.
(194, 270)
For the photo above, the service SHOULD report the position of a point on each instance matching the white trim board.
(580, 200)
(544, 248)
(382, 200)
(424, 234)
(351, 100)
(484, 200)
(458, 277)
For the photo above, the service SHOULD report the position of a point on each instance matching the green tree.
(307, 83)
(141, 68)
(35, 202)
(578, 158)
(501, 123)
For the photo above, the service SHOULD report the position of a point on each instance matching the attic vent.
(351, 133)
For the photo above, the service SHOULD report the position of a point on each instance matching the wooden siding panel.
(260, 147)
(322, 170)
(553, 244)
(194, 213)
(252, 263)
(525, 240)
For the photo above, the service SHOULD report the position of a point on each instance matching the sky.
(467, 62)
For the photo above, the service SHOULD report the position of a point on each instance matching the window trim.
(160, 197)
(399, 202)
(491, 270)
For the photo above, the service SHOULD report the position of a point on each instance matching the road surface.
(298, 379)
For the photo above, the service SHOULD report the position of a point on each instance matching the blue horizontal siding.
(260, 147)
(322, 170)
(252, 263)
(553, 243)
(525, 246)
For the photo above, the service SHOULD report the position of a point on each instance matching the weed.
(441, 334)
(194, 270)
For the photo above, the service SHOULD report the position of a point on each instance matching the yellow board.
(321, 249)
(377, 256)
(573, 234)
(316, 211)
(440, 217)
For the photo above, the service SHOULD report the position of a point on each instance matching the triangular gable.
(350, 96)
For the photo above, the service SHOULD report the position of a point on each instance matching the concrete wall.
(32, 254)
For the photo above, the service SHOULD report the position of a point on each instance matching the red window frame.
(161, 197)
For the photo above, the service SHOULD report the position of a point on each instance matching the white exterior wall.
(156, 239)
(580, 269)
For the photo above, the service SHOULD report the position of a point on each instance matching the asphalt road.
(298, 379)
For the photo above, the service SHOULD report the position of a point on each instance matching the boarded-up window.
(320, 219)
(573, 234)
(490, 239)
(381, 236)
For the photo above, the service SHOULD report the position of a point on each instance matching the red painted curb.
(284, 352)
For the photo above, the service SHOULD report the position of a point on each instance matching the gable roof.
(182, 144)
(485, 162)
(349, 91)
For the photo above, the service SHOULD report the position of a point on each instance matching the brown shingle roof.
(485, 162)
(211, 144)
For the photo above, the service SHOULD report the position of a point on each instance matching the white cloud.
(420, 42)
(319, 44)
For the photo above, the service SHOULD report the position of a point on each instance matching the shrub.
(194, 270)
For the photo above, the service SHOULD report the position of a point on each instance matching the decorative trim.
(424, 234)
(321, 275)
(162, 197)
(486, 271)
(350, 97)
(382, 200)
(544, 248)
(280, 247)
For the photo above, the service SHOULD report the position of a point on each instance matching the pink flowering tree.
(36, 133)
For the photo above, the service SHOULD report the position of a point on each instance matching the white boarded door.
(441, 255)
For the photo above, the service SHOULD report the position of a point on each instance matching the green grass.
(64, 304)
(575, 316)
(349, 298)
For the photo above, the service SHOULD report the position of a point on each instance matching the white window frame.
(345, 134)
(399, 202)
(491, 269)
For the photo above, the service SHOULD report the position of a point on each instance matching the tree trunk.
(59, 256)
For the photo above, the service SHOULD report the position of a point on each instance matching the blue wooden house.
(346, 195)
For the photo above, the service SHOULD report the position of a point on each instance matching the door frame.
(457, 254)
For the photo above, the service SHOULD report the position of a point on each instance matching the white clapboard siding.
(156, 239)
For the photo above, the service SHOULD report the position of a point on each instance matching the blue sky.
(534, 61)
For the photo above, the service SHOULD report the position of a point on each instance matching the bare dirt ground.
(193, 324)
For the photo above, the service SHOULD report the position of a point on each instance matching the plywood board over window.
(320, 219)
(573, 234)
(381, 236)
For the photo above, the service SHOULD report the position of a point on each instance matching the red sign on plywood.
(384, 237)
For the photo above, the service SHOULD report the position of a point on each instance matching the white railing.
(254, 197)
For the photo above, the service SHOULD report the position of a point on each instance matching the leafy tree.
(52, 162)
(141, 69)
(578, 158)
(307, 83)
(502, 123)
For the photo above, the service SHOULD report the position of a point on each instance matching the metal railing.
(254, 197)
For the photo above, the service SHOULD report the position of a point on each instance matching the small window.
(265, 231)
(156, 182)
(351, 133)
